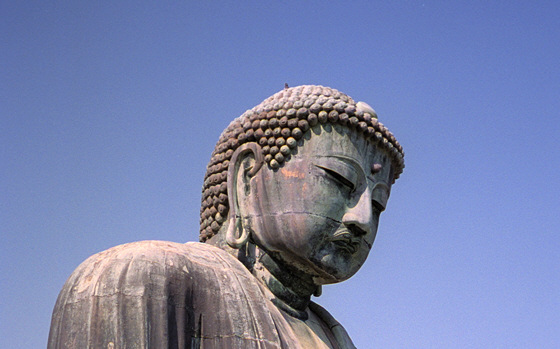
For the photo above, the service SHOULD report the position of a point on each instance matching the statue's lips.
(346, 241)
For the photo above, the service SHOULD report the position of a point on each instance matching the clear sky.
(109, 112)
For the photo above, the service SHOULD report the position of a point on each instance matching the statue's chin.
(330, 269)
(339, 266)
(326, 265)
(332, 278)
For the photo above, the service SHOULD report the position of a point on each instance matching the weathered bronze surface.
(291, 201)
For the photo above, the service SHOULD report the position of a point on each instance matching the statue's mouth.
(346, 241)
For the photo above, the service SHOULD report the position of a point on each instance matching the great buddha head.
(302, 177)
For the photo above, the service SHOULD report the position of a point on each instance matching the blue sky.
(109, 112)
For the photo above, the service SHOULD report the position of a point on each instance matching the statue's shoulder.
(161, 294)
(156, 250)
(133, 265)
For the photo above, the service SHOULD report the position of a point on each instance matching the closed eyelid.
(380, 195)
(338, 177)
(338, 167)
(377, 205)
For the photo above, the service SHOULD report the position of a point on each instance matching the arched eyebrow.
(346, 159)
(382, 185)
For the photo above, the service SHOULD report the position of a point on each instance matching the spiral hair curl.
(276, 125)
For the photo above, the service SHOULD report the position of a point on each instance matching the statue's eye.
(377, 206)
(339, 178)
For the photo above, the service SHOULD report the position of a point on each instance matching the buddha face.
(319, 212)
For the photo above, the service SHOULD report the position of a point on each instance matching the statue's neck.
(291, 291)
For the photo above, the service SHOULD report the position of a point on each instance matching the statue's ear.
(245, 162)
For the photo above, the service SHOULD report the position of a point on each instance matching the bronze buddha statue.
(291, 201)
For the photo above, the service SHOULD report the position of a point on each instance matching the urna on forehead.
(278, 125)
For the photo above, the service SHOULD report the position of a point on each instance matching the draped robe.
(157, 294)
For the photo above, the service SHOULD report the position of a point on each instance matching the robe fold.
(158, 294)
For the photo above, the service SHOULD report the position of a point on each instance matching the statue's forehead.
(337, 140)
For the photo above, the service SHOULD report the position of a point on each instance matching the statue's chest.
(312, 333)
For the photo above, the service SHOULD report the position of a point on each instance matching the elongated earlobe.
(234, 223)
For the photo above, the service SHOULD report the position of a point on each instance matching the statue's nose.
(361, 214)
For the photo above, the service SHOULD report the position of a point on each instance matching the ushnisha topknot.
(277, 124)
